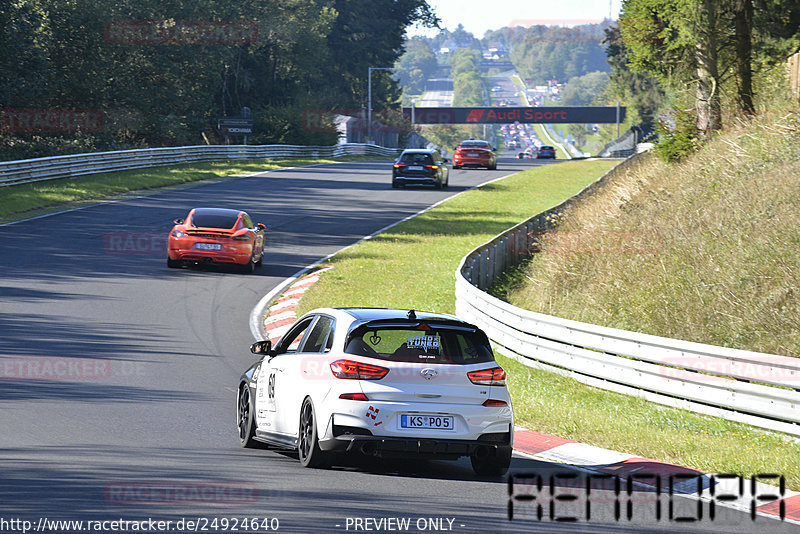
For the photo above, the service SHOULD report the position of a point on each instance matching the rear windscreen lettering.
(426, 343)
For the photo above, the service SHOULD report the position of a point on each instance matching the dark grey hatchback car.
(420, 167)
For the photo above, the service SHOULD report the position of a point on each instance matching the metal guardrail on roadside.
(754, 388)
(34, 170)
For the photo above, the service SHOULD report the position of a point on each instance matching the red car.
(474, 153)
(216, 235)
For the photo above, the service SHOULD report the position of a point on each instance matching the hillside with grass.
(705, 250)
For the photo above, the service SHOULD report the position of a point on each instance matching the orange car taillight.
(354, 396)
(488, 377)
(349, 369)
(243, 237)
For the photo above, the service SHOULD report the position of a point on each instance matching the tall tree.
(743, 20)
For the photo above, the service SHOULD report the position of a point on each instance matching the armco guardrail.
(755, 388)
(34, 170)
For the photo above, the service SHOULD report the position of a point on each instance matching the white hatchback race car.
(379, 382)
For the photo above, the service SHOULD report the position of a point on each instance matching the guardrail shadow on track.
(759, 389)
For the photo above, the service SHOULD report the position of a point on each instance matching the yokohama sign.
(502, 115)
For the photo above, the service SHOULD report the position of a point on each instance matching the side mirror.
(261, 347)
(261, 226)
(178, 221)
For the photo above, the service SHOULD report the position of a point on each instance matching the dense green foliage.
(555, 53)
(416, 66)
(468, 87)
(300, 56)
(706, 52)
(582, 90)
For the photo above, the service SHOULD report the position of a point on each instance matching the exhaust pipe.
(369, 448)
(481, 452)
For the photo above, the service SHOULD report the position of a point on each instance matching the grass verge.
(412, 266)
(34, 199)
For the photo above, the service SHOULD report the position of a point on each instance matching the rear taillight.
(494, 403)
(488, 377)
(398, 165)
(354, 396)
(349, 369)
(243, 237)
(432, 166)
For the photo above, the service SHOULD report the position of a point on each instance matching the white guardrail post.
(52, 168)
(759, 389)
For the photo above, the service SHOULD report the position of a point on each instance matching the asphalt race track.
(118, 375)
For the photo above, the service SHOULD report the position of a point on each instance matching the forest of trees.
(158, 82)
(542, 53)
(712, 59)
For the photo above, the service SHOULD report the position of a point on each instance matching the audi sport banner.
(502, 115)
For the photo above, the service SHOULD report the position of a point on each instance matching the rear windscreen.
(214, 220)
(416, 159)
(449, 345)
(475, 144)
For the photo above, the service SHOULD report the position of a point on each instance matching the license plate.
(472, 155)
(208, 246)
(414, 168)
(437, 422)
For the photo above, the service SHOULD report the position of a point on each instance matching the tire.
(456, 166)
(438, 185)
(173, 264)
(307, 440)
(244, 419)
(250, 266)
(260, 261)
(394, 184)
(494, 463)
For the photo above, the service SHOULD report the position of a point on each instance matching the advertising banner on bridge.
(503, 115)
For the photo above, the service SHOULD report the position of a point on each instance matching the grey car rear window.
(416, 159)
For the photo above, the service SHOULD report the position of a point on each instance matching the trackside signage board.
(502, 115)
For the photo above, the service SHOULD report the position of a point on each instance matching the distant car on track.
(216, 235)
(474, 153)
(420, 167)
(378, 382)
(546, 151)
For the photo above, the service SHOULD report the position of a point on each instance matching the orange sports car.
(474, 153)
(216, 235)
